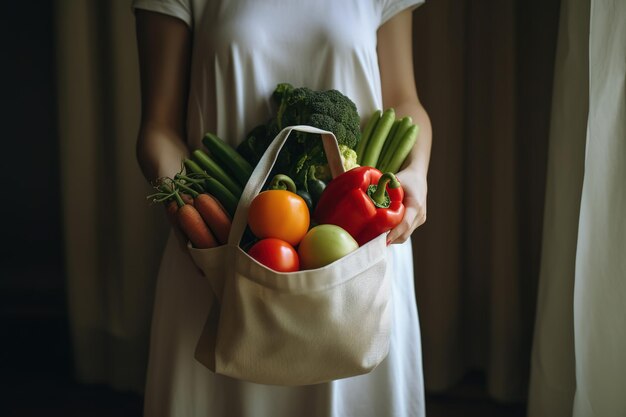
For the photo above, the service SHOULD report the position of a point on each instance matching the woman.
(211, 66)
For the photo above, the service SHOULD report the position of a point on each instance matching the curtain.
(484, 72)
(579, 360)
(112, 237)
(552, 379)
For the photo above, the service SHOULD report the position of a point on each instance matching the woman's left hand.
(395, 58)
(415, 190)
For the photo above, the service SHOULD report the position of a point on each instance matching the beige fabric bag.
(298, 328)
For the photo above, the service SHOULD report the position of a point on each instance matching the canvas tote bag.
(296, 328)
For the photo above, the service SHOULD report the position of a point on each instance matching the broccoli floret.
(348, 157)
(348, 160)
(281, 95)
(329, 110)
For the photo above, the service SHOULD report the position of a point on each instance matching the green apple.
(323, 245)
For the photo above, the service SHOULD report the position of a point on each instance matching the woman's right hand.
(164, 46)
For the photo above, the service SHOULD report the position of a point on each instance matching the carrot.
(182, 214)
(214, 216)
(193, 226)
(170, 209)
(166, 196)
(213, 213)
(187, 198)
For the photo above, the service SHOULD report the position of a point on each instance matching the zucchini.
(228, 158)
(392, 133)
(191, 167)
(392, 142)
(221, 193)
(376, 141)
(214, 187)
(214, 170)
(365, 136)
(399, 154)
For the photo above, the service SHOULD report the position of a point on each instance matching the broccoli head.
(328, 110)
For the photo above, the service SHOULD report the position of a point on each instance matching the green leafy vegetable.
(328, 110)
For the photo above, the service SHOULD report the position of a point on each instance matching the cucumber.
(365, 136)
(214, 187)
(399, 154)
(388, 139)
(221, 193)
(376, 141)
(228, 158)
(191, 167)
(214, 170)
(393, 141)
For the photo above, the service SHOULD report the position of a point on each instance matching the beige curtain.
(113, 238)
(553, 382)
(579, 352)
(484, 72)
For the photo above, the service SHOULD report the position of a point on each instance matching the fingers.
(413, 218)
(402, 231)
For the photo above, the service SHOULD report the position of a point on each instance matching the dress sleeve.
(180, 9)
(389, 8)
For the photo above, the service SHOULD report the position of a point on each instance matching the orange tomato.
(280, 214)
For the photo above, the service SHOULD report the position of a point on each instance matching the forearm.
(399, 92)
(164, 46)
(160, 151)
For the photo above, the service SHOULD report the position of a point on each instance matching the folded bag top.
(295, 328)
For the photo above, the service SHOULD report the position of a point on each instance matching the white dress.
(241, 50)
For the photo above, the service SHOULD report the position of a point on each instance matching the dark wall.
(32, 301)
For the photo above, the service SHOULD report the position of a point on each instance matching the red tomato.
(280, 214)
(276, 254)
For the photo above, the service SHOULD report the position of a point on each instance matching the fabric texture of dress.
(241, 50)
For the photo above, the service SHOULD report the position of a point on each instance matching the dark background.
(32, 294)
(35, 354)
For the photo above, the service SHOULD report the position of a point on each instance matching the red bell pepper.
(363, 201)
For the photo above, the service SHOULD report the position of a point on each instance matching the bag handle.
(264, 167)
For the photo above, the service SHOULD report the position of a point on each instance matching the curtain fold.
(552, 373)
(579, 365)
(600, 278)
(111, 266)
